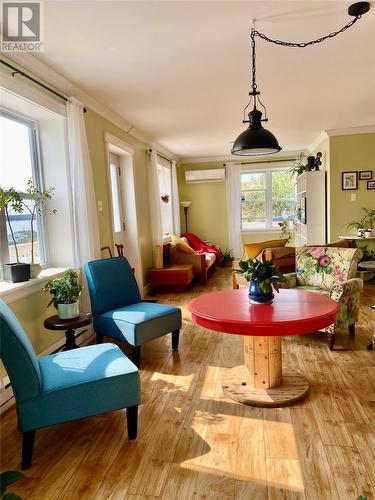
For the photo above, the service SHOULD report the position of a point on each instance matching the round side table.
(69, 325)
(261, 381)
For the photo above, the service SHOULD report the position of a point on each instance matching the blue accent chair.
(119, 311)
(65, 386)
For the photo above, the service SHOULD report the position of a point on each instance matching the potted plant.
(66, 292)
(365, 226)
(299, 166)
(263, 276)
(6, 479)
(226, 257)
(11, 200)
(40, 199)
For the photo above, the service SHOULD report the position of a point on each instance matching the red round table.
(260, 382)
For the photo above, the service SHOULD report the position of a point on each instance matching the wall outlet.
(353, 197)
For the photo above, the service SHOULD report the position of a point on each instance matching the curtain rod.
(17, 71)
(161, 156)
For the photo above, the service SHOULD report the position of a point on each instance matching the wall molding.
(366, 129)
(317, 141)
(55, 79)
(283, 155)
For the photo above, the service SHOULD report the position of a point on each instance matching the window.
(165, 188)
(19, 162)
(267, 198)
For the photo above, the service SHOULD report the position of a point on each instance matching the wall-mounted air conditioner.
(198, 176)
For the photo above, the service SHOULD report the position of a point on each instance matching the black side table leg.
(70, 340)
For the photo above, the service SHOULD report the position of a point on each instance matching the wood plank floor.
(194, 442)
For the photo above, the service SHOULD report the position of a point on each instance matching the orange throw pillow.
(252, 250)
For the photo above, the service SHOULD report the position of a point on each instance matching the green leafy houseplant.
(263, 275)
(7, 478)
(226, 257)
(367, 222)
(65, 290)
(11, 201)
(40, 199)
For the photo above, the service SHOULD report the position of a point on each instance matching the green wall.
(349, 153)
(208, 213)
(96, 127)
(207, 216)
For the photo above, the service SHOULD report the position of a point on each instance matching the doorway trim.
(132, 249)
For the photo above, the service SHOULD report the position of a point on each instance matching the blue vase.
(258, 297)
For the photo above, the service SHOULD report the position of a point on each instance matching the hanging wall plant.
(165, 198)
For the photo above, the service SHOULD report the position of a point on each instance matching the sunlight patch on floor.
(247, 449)
(177, 382)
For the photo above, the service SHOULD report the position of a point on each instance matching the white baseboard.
(6, 393)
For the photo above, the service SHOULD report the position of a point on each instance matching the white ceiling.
(179, 70)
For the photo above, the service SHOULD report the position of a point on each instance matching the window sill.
(247, 231)
(10, 292)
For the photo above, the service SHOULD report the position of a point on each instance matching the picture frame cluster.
(349, 180)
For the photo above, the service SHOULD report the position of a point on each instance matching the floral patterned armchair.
(330, 271)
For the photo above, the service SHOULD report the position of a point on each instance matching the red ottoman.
(177, 277)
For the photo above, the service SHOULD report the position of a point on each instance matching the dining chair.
(65, 386)
(119, 312)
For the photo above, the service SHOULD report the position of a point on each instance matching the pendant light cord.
(302, 45)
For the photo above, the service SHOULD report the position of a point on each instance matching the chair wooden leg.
(99, 338)
(136, 355)
(331, 337)
(175, 339)
(132, 420)
(352, 329)
(28, 439)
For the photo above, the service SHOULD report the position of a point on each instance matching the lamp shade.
(256, 140)
(185, 204)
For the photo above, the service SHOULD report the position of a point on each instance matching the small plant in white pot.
(66, 292)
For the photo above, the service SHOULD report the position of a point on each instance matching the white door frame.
(132, 249)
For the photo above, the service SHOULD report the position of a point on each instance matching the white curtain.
(233, 193)
(175, 202)
(154, 198)
(85, 220)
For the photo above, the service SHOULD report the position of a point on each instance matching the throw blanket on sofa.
(201, 247)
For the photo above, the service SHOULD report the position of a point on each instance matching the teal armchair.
(119, 312)
(65, 386)
(330, 271)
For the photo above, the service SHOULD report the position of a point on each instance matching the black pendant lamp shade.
(256, 140)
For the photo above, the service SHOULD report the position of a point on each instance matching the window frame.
(268, 198)
(37, 176)
(161, 165)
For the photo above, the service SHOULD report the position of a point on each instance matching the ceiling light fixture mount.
(256, 140)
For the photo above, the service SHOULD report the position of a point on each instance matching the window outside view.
(267, 198)
(16, 148)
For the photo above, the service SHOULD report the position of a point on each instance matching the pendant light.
(256, 140)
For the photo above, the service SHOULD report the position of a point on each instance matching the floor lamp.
(186, 205)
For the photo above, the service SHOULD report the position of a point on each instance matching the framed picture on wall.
(365, 175)
(349, 181)
(370, 184)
